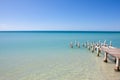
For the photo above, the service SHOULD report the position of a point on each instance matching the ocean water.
(47, 56)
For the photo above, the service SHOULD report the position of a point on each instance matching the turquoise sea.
(39, 55)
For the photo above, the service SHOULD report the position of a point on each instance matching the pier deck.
(114, 52)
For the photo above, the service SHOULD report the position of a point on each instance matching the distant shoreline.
(60, 31)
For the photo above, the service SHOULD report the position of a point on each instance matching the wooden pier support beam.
(93, 48)
(98, 52)
(117, 65)
(115, 60)
(78, 44)
(105, 43)
(88, 46)
(105, 57)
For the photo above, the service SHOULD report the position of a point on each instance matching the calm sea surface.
(47, 56)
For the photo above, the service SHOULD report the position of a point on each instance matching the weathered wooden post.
(71, 45)
(105, 57)
(117, 65)
(98, 50)
(92, 48)
(89, 46)
(115, 60)
(78, 45)
(95, 46)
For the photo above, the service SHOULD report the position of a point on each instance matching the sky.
(76, 15)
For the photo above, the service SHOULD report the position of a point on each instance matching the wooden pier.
(114, 52)
(99, 47)
(103, 47)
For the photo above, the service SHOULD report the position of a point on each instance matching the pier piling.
(93, 48)
(78, 44)
(98, 52)
(105, 57)
(117, 65)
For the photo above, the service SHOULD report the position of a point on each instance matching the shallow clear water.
(47, 56)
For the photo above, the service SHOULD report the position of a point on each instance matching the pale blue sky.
(93, 15)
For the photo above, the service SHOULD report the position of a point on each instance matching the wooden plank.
(113, 51)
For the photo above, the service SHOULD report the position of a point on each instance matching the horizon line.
(56, 31)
